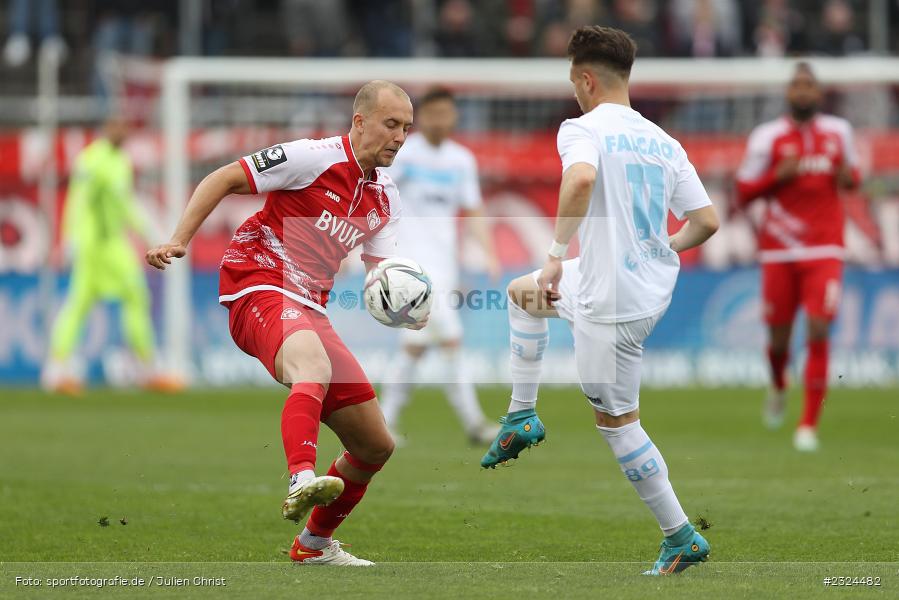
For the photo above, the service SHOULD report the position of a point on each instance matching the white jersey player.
(439, 178)
(622, 174)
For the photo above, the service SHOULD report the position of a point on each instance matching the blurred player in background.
(324, 198)
(100, 213)
(438, 179)
(800, 162)
(621, 176)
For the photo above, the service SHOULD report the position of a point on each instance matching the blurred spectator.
(893, 26)
(705, 28)
(563, 18)
(386, 26)
(316, 28)
(640, 19)
(125, 27)
(554, 39)
(455, 29)
(98, 29)
(770, 38)
(519, 26)
(17, 50)
(583, 12)
(227, 29)
(777, 28)
(837, 35)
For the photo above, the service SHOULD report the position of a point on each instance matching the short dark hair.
(434, 94)
(605, 46)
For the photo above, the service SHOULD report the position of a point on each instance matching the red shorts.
(815, 284)
(261, 321)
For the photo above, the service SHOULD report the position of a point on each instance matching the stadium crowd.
(83, 31)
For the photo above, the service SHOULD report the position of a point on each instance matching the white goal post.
(500, 76)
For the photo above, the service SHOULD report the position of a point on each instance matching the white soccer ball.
(398, 293)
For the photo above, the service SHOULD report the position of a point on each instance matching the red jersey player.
(800, 162)
(324, 198)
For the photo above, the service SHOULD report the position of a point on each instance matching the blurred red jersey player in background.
(800, 163)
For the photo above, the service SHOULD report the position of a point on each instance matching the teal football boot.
(521, 429)
(679, 551)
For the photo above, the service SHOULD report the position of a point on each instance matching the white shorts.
(444, 325)
(608, 355)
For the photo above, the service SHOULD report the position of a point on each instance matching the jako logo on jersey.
(290, 314)
(345, 233)
(373, 219)
(332, 195)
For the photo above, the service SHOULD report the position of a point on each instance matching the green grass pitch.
(198, 479)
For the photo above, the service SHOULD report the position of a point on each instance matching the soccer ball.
(398, 293)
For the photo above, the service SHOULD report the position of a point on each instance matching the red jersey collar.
(355, 168)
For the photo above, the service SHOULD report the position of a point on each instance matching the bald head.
(368, 95)
(382, 116)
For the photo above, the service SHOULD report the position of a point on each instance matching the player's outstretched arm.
(702, 223)
(222, 182)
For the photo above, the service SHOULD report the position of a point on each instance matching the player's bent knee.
(416, 351)
(522, 291)
(818, 329)
(779, 338)
(377, 452)
(525, 296)
(451, 345)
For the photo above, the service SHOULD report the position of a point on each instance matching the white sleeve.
(850, 152)
(576, 144)
(290, 166)
(469, 185)
(758, 156)
(383, 244)
(689, 193)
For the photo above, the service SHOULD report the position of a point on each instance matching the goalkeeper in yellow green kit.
(100, 212)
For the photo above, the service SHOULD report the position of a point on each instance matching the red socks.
(778, 368)
(815, 381)
(300, 423)
(325, 519)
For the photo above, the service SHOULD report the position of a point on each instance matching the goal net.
(212, 111)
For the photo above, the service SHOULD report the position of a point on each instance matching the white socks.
(528, 337)
(313, 542)
(298, 478)
(395, 393)
(643, 465)
(461, 393)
